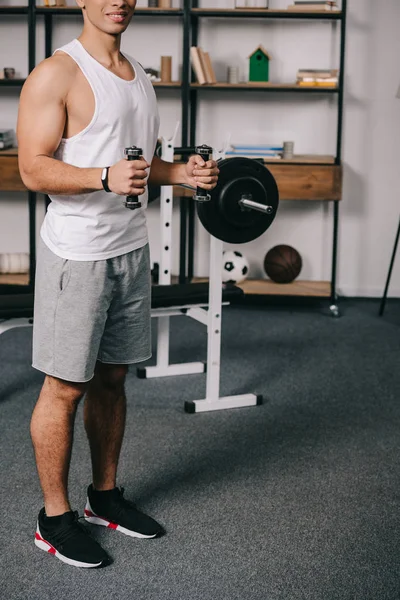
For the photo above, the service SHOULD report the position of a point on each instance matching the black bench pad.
(163, 296)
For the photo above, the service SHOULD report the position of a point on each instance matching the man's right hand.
(128, 177)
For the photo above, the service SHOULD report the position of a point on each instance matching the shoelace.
(71, 530)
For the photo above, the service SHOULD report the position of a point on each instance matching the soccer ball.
(235, 267)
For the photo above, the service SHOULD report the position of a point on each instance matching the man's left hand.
(200, 173)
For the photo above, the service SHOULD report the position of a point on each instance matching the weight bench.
(192, 300)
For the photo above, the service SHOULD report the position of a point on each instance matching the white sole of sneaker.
(91, 517)
(47, 547)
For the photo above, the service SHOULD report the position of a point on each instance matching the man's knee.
(67, 392)
(111, 377)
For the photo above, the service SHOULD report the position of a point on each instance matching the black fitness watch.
(104, 179)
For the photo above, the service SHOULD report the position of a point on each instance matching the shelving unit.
(313, 178)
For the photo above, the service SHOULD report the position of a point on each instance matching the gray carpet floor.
(296, 499)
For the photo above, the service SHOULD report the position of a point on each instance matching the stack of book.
(202, 66)
(264, 151)
(6, 138)
(318, 77)
(314, 5)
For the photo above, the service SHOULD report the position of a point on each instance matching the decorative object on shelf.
(235, 267)
(313, 5)
(7, 138)
(233, 75)
(164, 3)
(52, 3)
(14, 263)
(9, 72)
(259, 64)
(282, 263)
(317, 77)
(152, 74)
(288, 150)
(166, 69)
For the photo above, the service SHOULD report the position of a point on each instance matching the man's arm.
(41, 122)
(194, 173)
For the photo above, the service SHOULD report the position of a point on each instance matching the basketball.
(282, 263)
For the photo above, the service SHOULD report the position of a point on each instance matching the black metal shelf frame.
(13, 10)
(12, 82)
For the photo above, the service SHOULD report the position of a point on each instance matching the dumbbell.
(133, 153)
(205, 152)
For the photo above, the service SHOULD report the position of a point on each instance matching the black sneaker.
(112, 510)
(69, 540)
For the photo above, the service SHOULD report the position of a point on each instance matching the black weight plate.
(223, 216)
(233, 192)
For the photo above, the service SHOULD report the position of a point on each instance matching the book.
(209, 68)
(206, 65)
(197, 66)
(252, 148)
(300, 2)
(317, 73)
(312, 7)
(254, 153)
(315, 83)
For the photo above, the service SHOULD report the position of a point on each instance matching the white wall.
(370, 207)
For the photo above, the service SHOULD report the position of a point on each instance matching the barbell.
(243, 204)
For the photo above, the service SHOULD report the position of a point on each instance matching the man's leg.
(104, 414)
(104, 417)
(52, 428)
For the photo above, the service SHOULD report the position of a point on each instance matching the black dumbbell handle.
(201, 194)
(133, 153)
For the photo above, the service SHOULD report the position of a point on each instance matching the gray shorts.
(90, 310)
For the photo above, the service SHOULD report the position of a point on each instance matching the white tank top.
(97, 225)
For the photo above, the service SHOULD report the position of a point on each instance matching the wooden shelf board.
(300, 159)
(163, 84)
(323, 159)
(266, 287)
(292, 87)
(296, 288)
(9, 152)
(14, 278)
(267, 13)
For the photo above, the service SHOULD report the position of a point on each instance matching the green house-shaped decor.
(259, 64)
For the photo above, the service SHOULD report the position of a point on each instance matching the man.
(79, 109)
